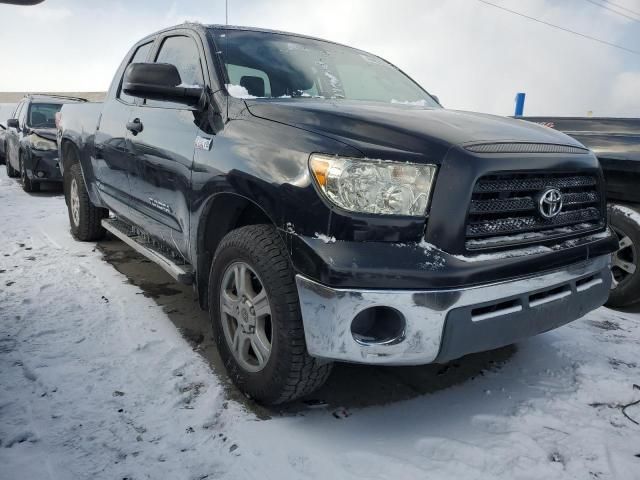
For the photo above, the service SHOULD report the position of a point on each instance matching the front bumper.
(440, 325)
(44, 166)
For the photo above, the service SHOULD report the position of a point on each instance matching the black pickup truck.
(616, 143)
(327, 208)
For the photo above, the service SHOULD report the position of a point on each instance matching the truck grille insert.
(505, 209)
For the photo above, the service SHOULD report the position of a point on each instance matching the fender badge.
(203, 143)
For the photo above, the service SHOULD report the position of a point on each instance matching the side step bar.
(181, 272)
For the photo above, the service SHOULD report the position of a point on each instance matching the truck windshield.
(43, 115)
(274, 65)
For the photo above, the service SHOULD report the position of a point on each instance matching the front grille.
(504, 209)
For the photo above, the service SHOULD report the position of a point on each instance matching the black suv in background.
(30, 141)
(6, 110)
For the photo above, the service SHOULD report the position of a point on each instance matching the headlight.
(41, 143)
(374, 186)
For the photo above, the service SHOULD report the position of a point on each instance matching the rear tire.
(28, 185)
(254, 259)
(625, 270)
(84, 217)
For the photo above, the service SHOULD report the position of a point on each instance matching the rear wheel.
(85, 218)
(625, 222)
(256, 318)
(27, 184)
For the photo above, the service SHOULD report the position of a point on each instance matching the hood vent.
(519, 147)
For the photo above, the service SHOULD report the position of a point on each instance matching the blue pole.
(520, 104)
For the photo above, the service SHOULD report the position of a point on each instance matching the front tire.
(11, 172)
(28, 185)
(625, 222)
(84, 217)
(257, 323)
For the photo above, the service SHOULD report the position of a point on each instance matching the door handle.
(135, 127)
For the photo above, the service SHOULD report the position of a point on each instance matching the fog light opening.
(378, 326)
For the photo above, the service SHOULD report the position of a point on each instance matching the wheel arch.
(223, 213)
(71, 154)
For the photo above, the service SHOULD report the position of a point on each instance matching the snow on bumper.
(440, 325)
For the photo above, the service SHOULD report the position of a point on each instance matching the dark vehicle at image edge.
(30, 144)
(6, 112)
(616, 143)
(336, 212)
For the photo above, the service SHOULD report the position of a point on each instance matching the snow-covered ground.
(96, 382)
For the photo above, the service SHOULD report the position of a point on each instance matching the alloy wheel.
(75, 202)
(23, 172)
(624, 260)
(246, 316)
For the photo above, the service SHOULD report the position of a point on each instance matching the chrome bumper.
(480, 318)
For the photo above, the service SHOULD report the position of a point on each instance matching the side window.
(16, 113)
(20, 115)
(139, 56)
(183, 53)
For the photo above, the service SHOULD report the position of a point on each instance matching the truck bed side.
(76, 132)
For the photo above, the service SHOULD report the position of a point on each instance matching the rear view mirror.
(13, 123)
(159, 81)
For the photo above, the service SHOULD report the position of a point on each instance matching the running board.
(179, 270)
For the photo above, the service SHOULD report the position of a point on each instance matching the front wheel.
(255, 312)
(28, 185)
(11, 172)
(625, 222)
(85, 218)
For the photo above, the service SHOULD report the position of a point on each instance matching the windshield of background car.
(273, 65)
(43, 115)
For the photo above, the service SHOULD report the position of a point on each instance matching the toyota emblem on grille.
(550, 203)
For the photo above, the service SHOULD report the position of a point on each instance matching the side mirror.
(159, 81)
(13, 123)
(435, 97)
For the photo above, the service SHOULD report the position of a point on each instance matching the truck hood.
(401, 130)
(48, 133)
